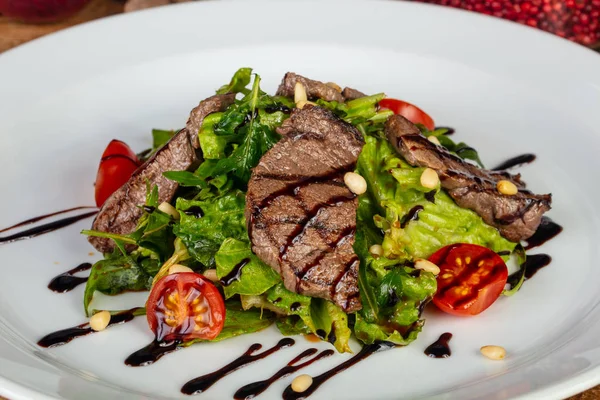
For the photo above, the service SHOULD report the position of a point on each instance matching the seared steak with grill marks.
(517, 217)
(301, 217)
(120, 213)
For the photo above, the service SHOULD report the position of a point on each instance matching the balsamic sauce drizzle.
(366, 351)
(45, 228)
(64, 336)
(66, 282)
(440, 348)
(252, 390)
(546, 231)
(36, 219)
(532, 264)
(235, 274)
(412, 215)
(152, 353)
(430, 196)
(202, 383)
(515, 161)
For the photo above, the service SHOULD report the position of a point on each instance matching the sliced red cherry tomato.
(185, 306)
(409, 111)
(116, 167)
(471, 278)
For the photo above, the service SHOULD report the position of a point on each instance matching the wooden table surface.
(13, 34)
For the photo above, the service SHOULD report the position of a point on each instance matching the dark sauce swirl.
(252, 390)
(235, 274)
(66, 282)
(515, 161)
(366, 351)
(45, 228)
(440, 348)
(64, 336)
(202, 383)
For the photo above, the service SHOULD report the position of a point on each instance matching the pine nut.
(376, 250)
(177, 268)
(426, 265)
(430, 179)
(434, 140)
(211, 275)
(100, 321)
(168, 209)
(302, 103)
(301, 383)
(493, 352)
(299, 93)
(355, 182)
(507, 187)
(334, 86)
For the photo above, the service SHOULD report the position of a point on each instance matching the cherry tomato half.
(116, 167)
(409, 111)
(471, 278)
(185, 306)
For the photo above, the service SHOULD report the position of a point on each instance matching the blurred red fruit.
(39, 11)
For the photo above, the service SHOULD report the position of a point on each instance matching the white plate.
(506, 88)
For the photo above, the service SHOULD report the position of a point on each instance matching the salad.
(321, 211)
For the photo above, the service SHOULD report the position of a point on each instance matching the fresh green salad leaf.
(160, 137)
(394, 186)
(239, 322)
(255, 277)
(222, 218)
(119, 273)
(242, 120)
(292, 325)
(238, 82)
(331, 324)
(185, 178)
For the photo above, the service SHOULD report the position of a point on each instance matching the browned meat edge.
(121, 211)
(517, 217)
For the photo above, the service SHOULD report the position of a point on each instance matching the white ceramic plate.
(507, 90)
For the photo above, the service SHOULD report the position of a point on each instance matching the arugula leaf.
(185, 178)
(256, 277)
(257, 138)
(238, 82)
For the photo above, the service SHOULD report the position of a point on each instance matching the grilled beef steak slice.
(301, 217)
(314, 89)
(120, 213)
(517, 217)
(352, 94)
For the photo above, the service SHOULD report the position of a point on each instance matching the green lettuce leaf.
(223, 217)
(256, 277)
(119, 273)
(160, 137)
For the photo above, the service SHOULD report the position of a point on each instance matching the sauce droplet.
(440, 348)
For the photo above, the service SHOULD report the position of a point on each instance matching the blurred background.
(24, 20)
